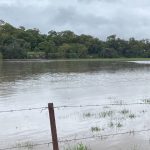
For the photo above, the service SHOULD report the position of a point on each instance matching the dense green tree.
(48, 47)
(30, 43)
(109, 53)
(72, 51)
(13, 52)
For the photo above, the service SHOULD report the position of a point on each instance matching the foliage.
(21, 43)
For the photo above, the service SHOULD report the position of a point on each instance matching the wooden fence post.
(53, 126)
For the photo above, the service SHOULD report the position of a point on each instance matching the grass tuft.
(119, 125)
(132, 116)
(96, 129)
(106, 114)
(27, 145)
(146, 101)
(88, 115)
(124, 111)
(111, 124)
(78, 147)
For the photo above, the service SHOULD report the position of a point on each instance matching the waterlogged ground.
(34, 84)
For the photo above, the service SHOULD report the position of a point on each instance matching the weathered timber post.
(53, 126)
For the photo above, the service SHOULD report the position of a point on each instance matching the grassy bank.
(1, 57)
(105, 59)
(83, 59)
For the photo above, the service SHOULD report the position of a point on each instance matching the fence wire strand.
(105, 135)
(82, 138)
(100, 105)
(74, 106)
(24, 109)
(25, 146)
(76, 139)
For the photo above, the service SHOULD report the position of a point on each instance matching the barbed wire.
(74, 106)
(101, 105)
(25, 146)
(106, 135)
(24, 109)
(77, 139)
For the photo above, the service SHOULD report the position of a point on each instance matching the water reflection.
(16, 70)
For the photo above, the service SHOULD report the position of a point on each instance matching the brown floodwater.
(26, 84)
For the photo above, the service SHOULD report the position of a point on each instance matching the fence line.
(25, 146)
(24, 109)
(74, 106)
(55, 140)
(105, 135)
(82, 138)
(101, 105)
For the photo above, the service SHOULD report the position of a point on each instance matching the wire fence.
(132, 132)
(101, 136)
(24, 109)
(75, 106)
(25, 146)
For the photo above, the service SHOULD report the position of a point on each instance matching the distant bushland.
(1, 56)
(21, 43)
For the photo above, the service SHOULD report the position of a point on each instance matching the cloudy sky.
(100, 18)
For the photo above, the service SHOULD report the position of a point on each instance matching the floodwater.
(31, 84)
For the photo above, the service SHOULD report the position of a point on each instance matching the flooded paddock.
(26, 84)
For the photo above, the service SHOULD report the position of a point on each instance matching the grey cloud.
(100, 18)
(99, 0)
(71, 17)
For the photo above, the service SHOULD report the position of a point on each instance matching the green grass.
(106, 114)
(124, 111)
(146, 101)
(78, 147)
(105, 59)
(119, 125)
(103, 114)
(26, 145)
(135, 147)
(119, 102)
(88, 115)
(96, 129)
(143, 111)
(32, 56)
(132, 116)
(111, 124)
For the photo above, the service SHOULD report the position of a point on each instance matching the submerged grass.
(96, 129)
(119, 102)
(124, 111)
(26, 145)
(103, 114)
(106, 114)
(146, 101)
(119, 125)
(88, 115)
(106, 59)
(111, 124)
(79, 146)
(132, 116)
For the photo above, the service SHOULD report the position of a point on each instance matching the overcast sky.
(100, 18)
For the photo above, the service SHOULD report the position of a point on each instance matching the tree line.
(21, 43)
